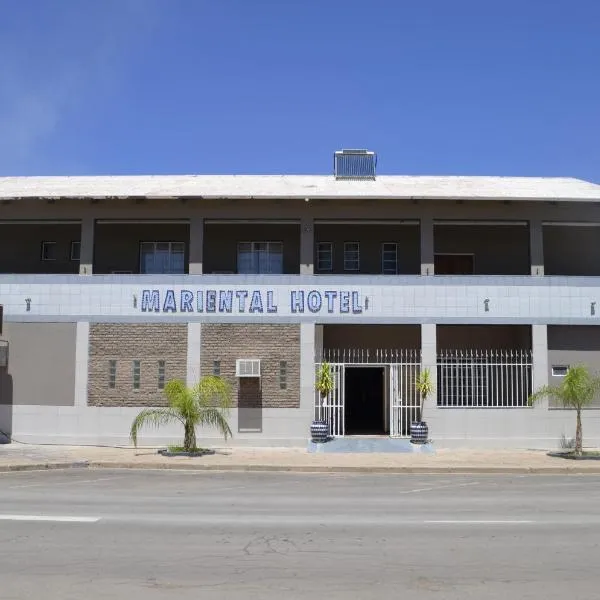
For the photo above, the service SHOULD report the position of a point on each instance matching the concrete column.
(86, 252)
(429, 359)
(196, 245)
(82, 345)
(427, 247)
(194, 346)
(307, 368)
(539, 346)
(307, 246)
(536, 247)
(318, 342)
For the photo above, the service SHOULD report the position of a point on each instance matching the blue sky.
(473, 87)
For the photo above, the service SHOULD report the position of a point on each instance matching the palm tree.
(577, 390)
(425, 387)
(206, 403)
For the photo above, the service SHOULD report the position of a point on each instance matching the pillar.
(86, 249)
(427, 246)
(539, 347)
(307, 246)
(82, 345)
(307, 369)
(536, 247)
(194, 347)
(429, 359)
(196, 245)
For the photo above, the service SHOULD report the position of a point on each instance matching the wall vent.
(247, 367)
(355, 165)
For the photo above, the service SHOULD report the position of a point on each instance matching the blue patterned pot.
(419, 432)
(319, 431)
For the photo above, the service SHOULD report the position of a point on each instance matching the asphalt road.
(161, 534)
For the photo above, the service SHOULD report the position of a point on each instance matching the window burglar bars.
(484, 378)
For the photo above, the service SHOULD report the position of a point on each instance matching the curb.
(244, 468)
(80, 464)
(407, 470)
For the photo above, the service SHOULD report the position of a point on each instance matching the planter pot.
(319, 431)
(419, 432)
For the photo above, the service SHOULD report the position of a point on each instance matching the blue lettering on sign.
(187, 298)
(170, 305)
(256, 304)
(150, 301)
(227, 301)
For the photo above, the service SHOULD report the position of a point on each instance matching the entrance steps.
(366, 444)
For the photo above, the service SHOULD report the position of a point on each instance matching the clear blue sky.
(474, 87)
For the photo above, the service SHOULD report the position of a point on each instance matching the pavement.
(158, 535)
(31, 457)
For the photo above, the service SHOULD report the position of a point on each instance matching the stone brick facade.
(272, 344)
(124, 343)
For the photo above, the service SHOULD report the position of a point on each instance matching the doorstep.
(364, 445)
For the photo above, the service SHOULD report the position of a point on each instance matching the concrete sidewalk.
(14, 457)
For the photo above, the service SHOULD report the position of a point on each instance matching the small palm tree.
(324, 382)
(577, 390)
(425, 387)
(206, 403)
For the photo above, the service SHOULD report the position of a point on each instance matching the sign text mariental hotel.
(248, 301)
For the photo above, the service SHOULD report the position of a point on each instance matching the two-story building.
(111, 286)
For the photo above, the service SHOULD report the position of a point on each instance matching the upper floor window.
(351, 256)
(260, 258)
(162, 258)
(389, 258)
(75, 251)
(324, 256)
(48, 250)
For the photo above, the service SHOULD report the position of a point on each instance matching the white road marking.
(49, 518)
(482, 522)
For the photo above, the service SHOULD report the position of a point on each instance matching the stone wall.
(124, 343)
(272, 344)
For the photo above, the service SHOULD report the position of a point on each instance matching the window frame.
(347, 260)
(162, 370)
(383, 258)
(75, 244)
(283, 373)
(155, 244)
(47, 244)
(253, 252)
(112, 374)
(321, 269)
(136, 374)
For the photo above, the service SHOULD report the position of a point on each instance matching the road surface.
(98, 534)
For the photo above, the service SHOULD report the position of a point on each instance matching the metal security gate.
(331, 408)
(404, 397)
(401, 368)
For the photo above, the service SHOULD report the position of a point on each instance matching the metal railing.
(484, 378)
(379, 356)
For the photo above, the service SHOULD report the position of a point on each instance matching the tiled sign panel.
(436, 299)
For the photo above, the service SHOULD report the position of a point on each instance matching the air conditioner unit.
(247, 367)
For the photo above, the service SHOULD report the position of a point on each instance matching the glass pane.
(245, 260)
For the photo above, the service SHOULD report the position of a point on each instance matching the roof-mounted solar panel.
(354, 164)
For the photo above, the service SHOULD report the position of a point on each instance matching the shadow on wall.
(6, 405)
(250, 405)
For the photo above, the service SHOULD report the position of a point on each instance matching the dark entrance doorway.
(364, 401)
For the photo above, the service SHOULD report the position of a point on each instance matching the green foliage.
(425, 387)
(205, 404)
(325, 382)
(577, 390)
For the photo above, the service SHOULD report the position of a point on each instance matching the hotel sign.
(252, 301)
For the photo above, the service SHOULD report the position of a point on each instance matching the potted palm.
(577, 390)
(319, 429)
(207, 403)
(419, 431)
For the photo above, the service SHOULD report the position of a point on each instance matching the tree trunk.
(189, 440)
(578, 434)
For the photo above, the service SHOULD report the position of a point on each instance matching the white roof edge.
(392, 187)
